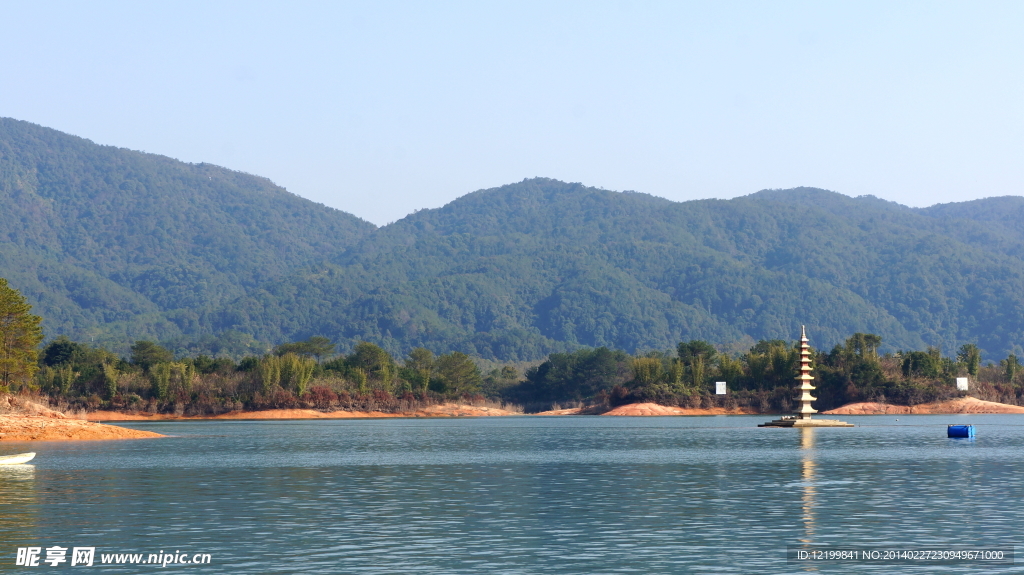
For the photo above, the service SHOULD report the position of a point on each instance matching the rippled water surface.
(519, 494)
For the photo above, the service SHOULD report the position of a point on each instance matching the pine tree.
(1012, 365)
(970, 356)
(421, 363)
(459, 375)
(20, 336)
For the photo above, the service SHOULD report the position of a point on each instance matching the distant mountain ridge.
(115, 245)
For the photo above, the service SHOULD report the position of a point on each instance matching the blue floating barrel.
(960, 431)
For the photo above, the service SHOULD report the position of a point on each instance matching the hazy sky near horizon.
(382, 108)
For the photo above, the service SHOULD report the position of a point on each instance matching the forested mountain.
(117, 245)
(112, 245)
(525, 269)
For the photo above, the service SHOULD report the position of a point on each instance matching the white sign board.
(720, 387)
(961, 383)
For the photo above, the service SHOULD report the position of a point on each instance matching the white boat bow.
(16, 459)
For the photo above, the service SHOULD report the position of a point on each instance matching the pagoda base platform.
(794, 422)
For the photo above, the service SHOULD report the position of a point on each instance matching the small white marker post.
(720, 388)
(961, 383)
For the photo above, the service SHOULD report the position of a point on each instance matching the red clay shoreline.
(444, 410)
(949, 407)
(960, 405)
(649, 410)
(16, 427)
(33, 422)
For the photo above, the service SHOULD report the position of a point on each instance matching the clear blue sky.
(381, 108)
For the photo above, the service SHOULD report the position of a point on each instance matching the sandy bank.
(446, 410)
(456, 410)
(29, 421)
(959, 405)
(19, 427)
(298, 414)
(655, 409)
(637, 409)
(118, 416)
(570, 411)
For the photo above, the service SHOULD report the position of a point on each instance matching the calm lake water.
(522, 495)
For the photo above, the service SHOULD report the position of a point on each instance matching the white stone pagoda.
(803, 417)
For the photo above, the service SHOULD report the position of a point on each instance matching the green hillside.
(113, 245)
(529, 268)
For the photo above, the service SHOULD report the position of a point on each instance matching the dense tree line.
(303, 374)
(763, 377)
(307, 374)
